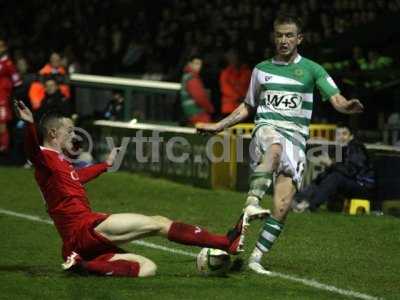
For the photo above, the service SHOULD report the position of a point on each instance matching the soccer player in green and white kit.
(281, 95)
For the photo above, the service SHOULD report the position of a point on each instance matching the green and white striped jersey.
(282, 95)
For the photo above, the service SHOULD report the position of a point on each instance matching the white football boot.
(73, 261)
(258, 268)
(253, 209)
(255, 262)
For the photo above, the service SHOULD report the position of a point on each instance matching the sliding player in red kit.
(90, 239)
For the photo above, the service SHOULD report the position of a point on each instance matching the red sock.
(4, 141)
(113, 268)
(195, 236)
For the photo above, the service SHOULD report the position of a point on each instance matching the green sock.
(270, 232)
(260, 182)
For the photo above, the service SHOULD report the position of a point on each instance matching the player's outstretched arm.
(31, 144)
(341, 104)
(88, 173)
(239, 114)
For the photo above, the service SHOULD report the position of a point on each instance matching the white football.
(213, 262)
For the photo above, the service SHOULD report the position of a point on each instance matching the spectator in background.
(358, 58)
(54, 100)
(196, 105)
(134, 56)
(53, 67)
(9, 80)
(54, 70)
(234, 81)
(115, 108)
(27, 77)
(352, 178)
(376, 61)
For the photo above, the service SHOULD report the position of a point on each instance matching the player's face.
(65, 134)
(343, 135)
(287, 38)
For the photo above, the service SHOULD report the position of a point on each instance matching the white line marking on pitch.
(309, 282)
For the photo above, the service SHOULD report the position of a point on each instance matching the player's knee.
(147, 268)
(161, 221)
(275, 161)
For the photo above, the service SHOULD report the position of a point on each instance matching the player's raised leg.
(122, 228)
(261, 180)
(273, 226)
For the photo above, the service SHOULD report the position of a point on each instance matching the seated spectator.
(352, 178)
(54, 100)
(115, 108)
(196, 105)
(234, 81)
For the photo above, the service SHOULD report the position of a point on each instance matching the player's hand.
(354, 106)
(113, 154)
(208, 128)
(23, 112)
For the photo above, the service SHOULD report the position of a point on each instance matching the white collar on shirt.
(278, 62)
(49, 149)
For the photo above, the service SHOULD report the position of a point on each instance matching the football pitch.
(318, 256)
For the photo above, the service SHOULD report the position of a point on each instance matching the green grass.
(358, 253)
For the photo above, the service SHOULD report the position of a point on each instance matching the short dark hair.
(194, 56)
(49, 120)
(346, 126)
(285, 18)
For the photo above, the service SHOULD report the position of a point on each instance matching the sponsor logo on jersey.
(298, 72)
(283, 101)
(74, 175)
(268, 78)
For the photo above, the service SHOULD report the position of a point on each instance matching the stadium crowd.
(99, 37)
(103, 38)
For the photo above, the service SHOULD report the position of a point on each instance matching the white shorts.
(293, 158)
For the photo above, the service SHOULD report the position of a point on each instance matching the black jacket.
(54, 103)
(356, 164)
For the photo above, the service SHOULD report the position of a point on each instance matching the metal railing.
(148, 92)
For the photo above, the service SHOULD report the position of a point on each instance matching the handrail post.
(128, 104)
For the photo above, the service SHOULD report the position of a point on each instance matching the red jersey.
(61, 184)
(9, 78)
